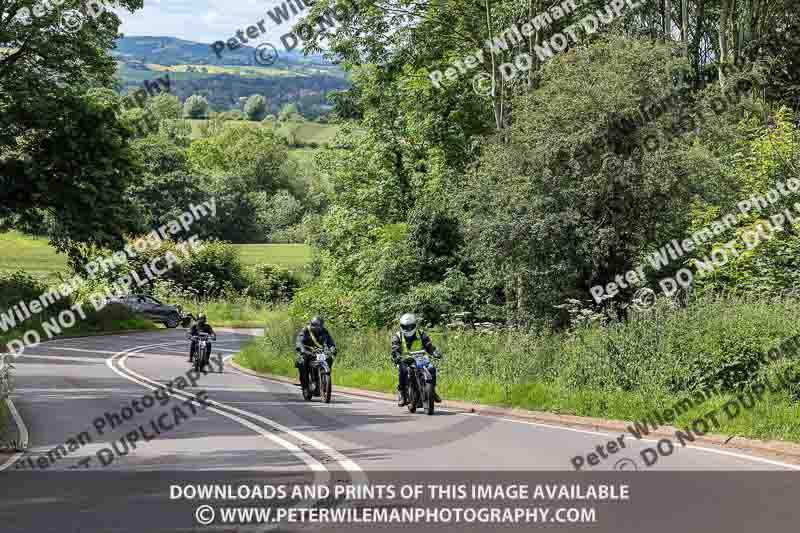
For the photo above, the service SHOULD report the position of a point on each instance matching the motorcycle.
(203, 351)
(318, 381)
(419, 390)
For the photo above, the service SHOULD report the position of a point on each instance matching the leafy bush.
(213, 270)
(18, 287)
(271, 283)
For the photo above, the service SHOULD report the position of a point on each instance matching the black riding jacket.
(305, 340)
(205, 328)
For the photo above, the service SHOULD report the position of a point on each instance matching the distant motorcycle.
(319, 376)
(203, 353)
(419, 390)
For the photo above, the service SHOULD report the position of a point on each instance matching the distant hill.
(174, 51)
(194, 68)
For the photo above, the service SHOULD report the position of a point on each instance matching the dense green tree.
(246, 159)
(80, 179)
(165, 106)
(196, 106)
(256, 107)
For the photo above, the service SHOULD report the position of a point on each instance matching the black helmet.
(201, 318)
(316, 324)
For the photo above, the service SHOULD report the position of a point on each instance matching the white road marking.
(120, 357)
(346, 463)
(23, 434)
(64, 358)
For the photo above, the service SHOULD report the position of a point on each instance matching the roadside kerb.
(787, 451)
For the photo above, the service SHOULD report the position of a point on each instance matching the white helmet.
(408, 324)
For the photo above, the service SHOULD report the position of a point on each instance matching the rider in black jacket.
(311, 337)
(201, 326)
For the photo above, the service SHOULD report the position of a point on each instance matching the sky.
(205, 21)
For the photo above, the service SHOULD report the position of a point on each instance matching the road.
(71, 387)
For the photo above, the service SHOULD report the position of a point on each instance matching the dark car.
(170, 315)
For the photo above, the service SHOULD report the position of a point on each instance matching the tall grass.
(624, 371)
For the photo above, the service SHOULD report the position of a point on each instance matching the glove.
(333, 350)
(395, 359)
(436, 354)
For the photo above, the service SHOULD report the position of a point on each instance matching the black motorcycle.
(202, 354)
(419, 390)
(318, 381)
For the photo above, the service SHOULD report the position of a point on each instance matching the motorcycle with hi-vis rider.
(412, 350)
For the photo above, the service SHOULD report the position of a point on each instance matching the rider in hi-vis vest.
(312, 336)
(408, 339)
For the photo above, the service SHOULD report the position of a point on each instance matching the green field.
(291, 256)
(35, 256)
(31, 254)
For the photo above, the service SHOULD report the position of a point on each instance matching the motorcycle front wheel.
(327, 387)
(429, 398)
(411, 396)
(307, 388)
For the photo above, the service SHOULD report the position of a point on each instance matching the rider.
(312, 336)
(201, 326)
(407, 340)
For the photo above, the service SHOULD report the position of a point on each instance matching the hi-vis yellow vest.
(416, 344)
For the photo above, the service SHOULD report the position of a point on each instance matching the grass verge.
(623, 372)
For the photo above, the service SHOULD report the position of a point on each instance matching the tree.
(81, 179)
(196, 106)
(256, 107)
(159, 155)
(244, 159)
(165, 106)
(547, 224)
(164, 196)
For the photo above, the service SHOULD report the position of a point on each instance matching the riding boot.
(436, 398)
(402, 399)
